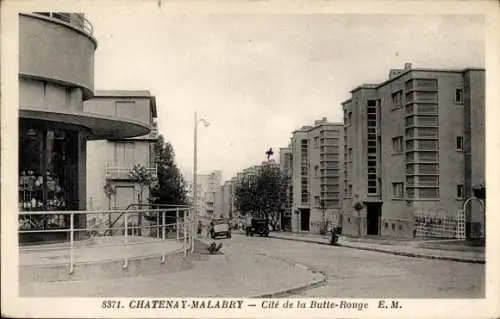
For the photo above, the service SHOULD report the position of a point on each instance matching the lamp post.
(323, 216)
(195, 175)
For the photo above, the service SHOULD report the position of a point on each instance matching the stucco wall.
(53, 50)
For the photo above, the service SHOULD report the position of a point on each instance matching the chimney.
(407, 66)
(325, 119)
(394, 72)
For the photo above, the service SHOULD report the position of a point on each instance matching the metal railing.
(158, 230)
(76, 20)
(136, 206)
(115, 172)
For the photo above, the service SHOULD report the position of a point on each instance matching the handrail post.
(193, 231)
(185, 237)
(71, 241)
(125, 264)
(126, 228)
(163, 225)
(177, 223)
(157, 225)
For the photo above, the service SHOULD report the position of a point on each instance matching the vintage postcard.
(250, 159)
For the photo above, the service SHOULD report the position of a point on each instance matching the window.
(349, 155)
(316, 200)
(386, 224)
(397, 190)
(460, 143)
(316, 171)
(397, 99)
(393, 226)
(125, 109)
(459, 96)
(428, 193)
(397, 144)
(349, 118)
(349, 191)
(460, 191)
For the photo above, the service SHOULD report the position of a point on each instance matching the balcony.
(123, 173)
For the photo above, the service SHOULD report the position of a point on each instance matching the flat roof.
(404, 72)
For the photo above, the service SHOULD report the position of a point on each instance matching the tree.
(143, 179)
(171, 188)
(109, 191)
(262, 195)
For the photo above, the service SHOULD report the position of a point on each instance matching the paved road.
(364, 274)
(244, 271)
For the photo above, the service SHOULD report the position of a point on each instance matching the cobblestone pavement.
(364, 274)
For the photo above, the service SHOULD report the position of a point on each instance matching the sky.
(257, 78)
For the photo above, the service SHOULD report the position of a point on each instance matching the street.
(353, 273)
(256, 266)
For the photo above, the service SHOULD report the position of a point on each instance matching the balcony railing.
(76, 20)
(113, 172)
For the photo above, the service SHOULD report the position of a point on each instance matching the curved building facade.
(56, 77)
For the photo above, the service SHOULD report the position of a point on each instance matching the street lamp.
(195, 174)
(323, 216)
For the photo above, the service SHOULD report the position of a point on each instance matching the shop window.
(48, 174)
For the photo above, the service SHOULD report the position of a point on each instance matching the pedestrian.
(200, 227)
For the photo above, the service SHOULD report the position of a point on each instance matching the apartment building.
(286, 168)
(227, 199)
(209, 196)
(414, 148)
(111, 160)
(317, 176)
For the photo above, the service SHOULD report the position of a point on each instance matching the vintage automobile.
(258, 226)
(220, 227)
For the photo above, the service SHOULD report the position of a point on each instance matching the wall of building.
(475, 153)
(63, 53)
(49, 96)
(137, 109)
(296, 139)
(454, 120)
(102, 153)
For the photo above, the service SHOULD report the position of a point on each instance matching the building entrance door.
(373, 216)
(305, 216)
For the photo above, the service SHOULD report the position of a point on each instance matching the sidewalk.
(226, 275)
(423, 248)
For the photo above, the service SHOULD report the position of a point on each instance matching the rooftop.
(408, 69)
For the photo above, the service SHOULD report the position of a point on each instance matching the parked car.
(220, 227)
(258, 226)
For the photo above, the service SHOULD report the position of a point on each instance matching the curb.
(292, 291)
(397, 253)
(417, 255)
